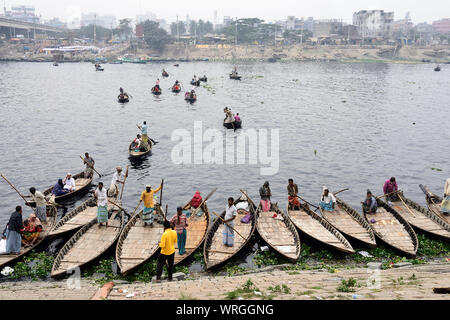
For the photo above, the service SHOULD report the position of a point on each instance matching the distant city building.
(140, 30)
(106, 21)
(146, 16)
(374, 23)
(293, 23)
(425, 32)
(326, 28)
(442, 26)
(309, 24)
(226, 21)
(350, 31)
(55, 22)
(22, 13)
(403, 26)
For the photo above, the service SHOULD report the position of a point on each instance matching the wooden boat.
(191, 100)
(82, 186)
(176, 65)
(421, 218)
(143, 151)
(214, 252)
(319, 229)
(137, 243)
(156, 91)
(55, 64)
(78, 217)
(350, 223)
(390, 227)
(204, 79)
(196, 232)
(281, 235)
(176, 89)
(235, 77)
(88, 243)
(229, 125)
(99, 69)
(165, 74)
(195, 83)
(437, 68)
(9, 259)
(124, 99)
(434, 203)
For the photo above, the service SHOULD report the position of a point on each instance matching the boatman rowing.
(118, 177)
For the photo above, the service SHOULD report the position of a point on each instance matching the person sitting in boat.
(31, 231)
(192, 94)
(265, 193)
(118, 177)
(234, 72)
(137, 143)
(327, 201)
(228, 222)
(196, 200)
(164, 72)
(149, 204)
(370, 204)
(58, 189)
(294, 203)
(176, 85)
(390, 186)
(445, 205)
(179, 221)
(69, 182)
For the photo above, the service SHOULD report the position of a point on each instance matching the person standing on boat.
(327, 201)
(292, 188)
(445, 205)
(13, 236)
(167, 245)
(89, 162)
(102, 204)
(180, 222)
(144, 129)
(149, 204)
(41, 203)
(118, 177)
(69, 182)
(228, 223)
(265, 195)
(389, 187)
(370, 205)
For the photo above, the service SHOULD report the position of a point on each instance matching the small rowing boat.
(235, 77)
(204, 79)
(215, 253)
(196, 231)
(78, 217)
(434, 203)
(195, 83)
(9, 259)
(176, 88)
(82, 186)
(319, 229)
(165, 74)
(233, 125)
(349, 222)
(138, 243)
(188, 97)
(279, 233)
(88, 243)
(390, 227)
(156, 91)
(142, 152)
(123, 99)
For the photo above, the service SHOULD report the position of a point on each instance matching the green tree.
(181, 28)
(154, 36)
(124, 28)
(88, 32)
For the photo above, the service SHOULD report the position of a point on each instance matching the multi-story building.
(22, 13)
(442, 26)
(226, 21)
(326, 28)
(374, 23)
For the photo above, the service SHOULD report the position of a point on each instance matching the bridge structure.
(13, 27)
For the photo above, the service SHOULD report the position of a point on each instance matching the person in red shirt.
(196, 200)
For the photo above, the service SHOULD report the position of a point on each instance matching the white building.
(374, 23)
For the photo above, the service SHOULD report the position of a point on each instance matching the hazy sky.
(421, 10)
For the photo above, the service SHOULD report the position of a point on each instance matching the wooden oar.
(160, 195)
(229, 225)
(307, 202)
(387, 194)
(341, 191)
(410, 211)
(18, 192)
(204, 200)
(92, 167)
(123, 185)
(136, 208)
(112, 202)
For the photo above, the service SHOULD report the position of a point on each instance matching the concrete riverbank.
(402, 283)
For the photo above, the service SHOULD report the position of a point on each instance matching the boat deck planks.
(389, 229)
(318, 228)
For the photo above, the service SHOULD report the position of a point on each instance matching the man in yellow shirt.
(149, 204)
(167, 245)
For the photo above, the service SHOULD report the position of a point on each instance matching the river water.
(366, 122)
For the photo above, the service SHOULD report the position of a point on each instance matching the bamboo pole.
(228, 225)
(203, 202)
(18, 192)
(406, 206)
(92, 167)
(123, 185)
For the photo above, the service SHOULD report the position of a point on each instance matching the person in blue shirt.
(370, 205)
(58, 189)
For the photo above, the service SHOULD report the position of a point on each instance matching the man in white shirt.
(102, 204)
(41, 203)
(117, 178)
(228, 231)
(69, 182)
